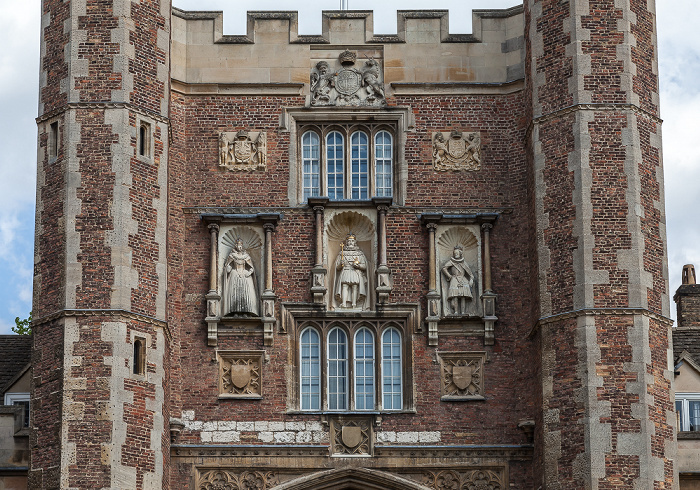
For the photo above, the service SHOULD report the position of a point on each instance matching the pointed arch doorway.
(351, 479)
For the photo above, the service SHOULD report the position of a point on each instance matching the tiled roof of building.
(15, 354)
(686, 339)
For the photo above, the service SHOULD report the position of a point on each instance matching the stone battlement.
(493, 53)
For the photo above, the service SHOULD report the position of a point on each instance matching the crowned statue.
(351, 275)
(240, 292)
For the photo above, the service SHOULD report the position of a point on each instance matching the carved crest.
(240, 375)
(346, 85)
(462, 376)
(243, 150)
(456, 151)
(352, 436)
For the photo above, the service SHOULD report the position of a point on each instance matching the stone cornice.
(104, 312)
(103, 106)
(598, 312)
(443, 211)
(595, 107)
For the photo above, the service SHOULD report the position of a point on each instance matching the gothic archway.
(351, 479)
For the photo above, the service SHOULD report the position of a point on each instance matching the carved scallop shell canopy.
(455, 236)
(350, 222)
(251, 239)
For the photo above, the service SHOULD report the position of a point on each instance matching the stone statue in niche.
(240, 292)
(456, 151)
(351, 275)
(347, 86)
(459, 281)
(243, 150)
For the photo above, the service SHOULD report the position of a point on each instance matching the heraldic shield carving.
(240, 374)
(351, 436)
(243, 150)
(462, 375)
(456, 151)
(347, 85)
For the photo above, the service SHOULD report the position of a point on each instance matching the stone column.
(433, 294)
(214, 295)
(488, 297)
(318, 273)
(268, 296)
(384, 282)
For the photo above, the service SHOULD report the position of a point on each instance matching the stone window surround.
(296, 318)
(347, 130)
(398, 120)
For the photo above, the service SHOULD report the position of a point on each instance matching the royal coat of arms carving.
(456, 151)
(347, 86)
(240, 374)
(243, 150)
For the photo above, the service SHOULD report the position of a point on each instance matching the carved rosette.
(240, 374)
(462, 375)
(351, 437)
(243, 150)
(232, 480)
(456, 151)
(484, 479)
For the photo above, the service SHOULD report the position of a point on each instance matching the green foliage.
(23, 327)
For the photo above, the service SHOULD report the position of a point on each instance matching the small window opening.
(144, 139)
(53, 140)
(139, 356)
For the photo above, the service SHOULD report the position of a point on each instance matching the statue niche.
(459, 273)
(350, 252)
(240, 296)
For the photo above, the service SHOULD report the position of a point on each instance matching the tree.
(23, 327)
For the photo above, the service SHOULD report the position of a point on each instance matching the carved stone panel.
(456, 151)
(243, 150)
(240, 373)
(341, 83)
(462, 375)
(351, 436)
(480, 479)
(217, 479)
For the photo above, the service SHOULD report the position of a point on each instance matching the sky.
(679, 68)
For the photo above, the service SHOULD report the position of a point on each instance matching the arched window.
(139, 366)
(337, 369)
(310, 160)
(335, 163)
(310, 346)
(359, 167)
(364, 370)
(383, 156)
(392, 395)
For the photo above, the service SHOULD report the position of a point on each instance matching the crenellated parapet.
(492, 54)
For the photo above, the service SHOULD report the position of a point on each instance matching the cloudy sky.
(679, 65)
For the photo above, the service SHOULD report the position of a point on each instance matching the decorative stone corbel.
(488, 297)
(319, 273)
(213, 297)
(176, 426)
(384, 280)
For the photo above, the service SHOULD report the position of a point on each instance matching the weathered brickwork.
(596, 138)
(135, 218)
